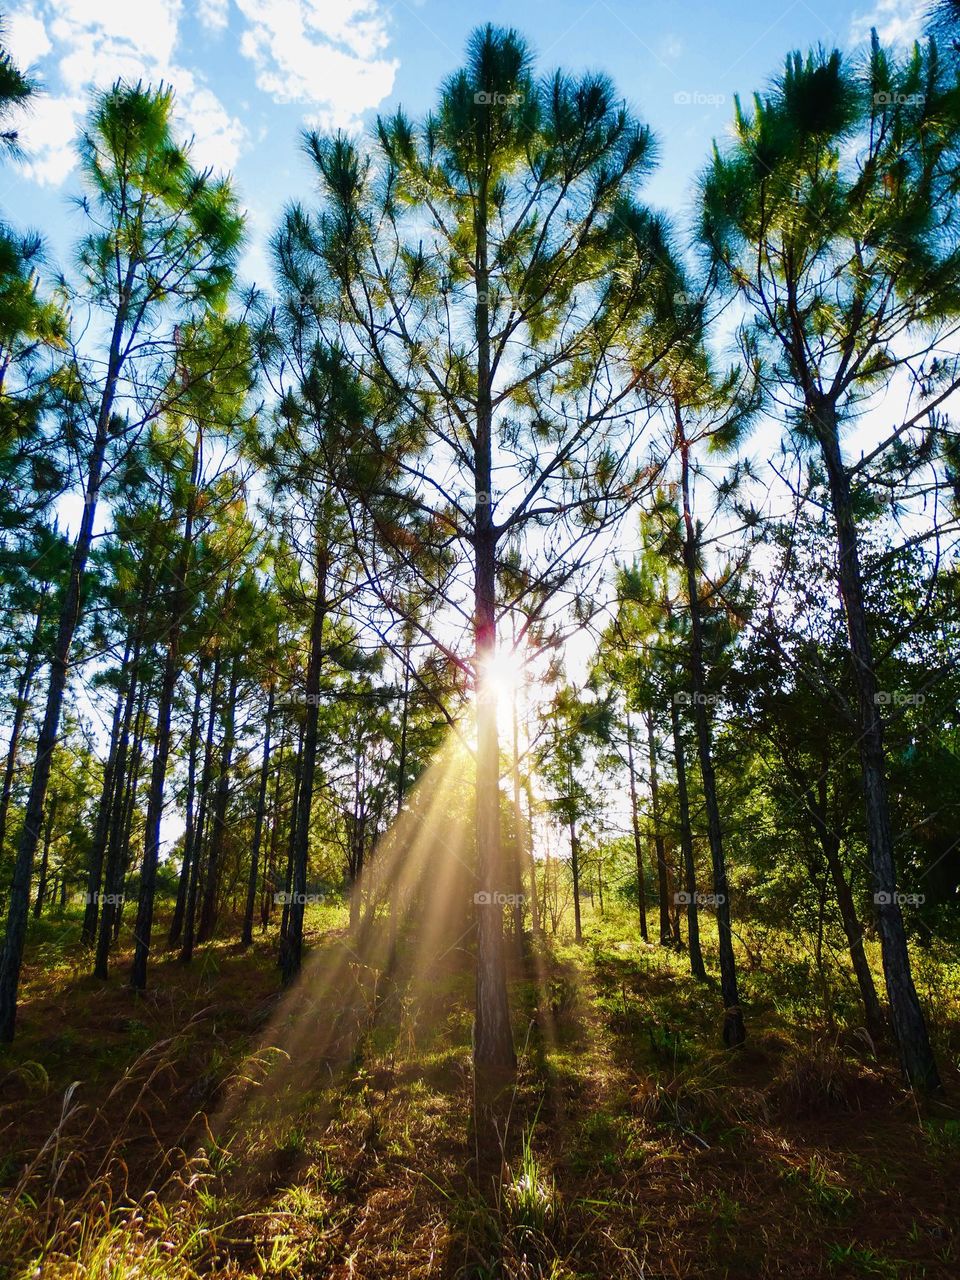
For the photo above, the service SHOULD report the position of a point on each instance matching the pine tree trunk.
(524, 840)
(697, 967)
(21, 705)
(151, 840)
(218, 824)
(637, 841)
(906, 1015)
(269, 883)
(291, 948)
(161, 752)
(873, 1012)
(356, 874)
(830, 842)
(247, 935)
(11, 959)
(130, 809)
(493, 1035)
(113, 872)
(291, 845)
(91, 912)
(45, 859)
(396, 870)
(574, 863)
(357, 840)
(183, 880)
(734, 1031)
(663, 883)
(206, 781)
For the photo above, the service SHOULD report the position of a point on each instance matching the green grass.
(632, 1143)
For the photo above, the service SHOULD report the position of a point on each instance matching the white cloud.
(213, 13)
(896, 21)
(218, 137)
(321, 53)
(100, 33)
(48, 135)
(92, 43)
(327, 55)
(27, 37)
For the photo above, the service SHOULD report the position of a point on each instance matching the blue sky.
(250, 73)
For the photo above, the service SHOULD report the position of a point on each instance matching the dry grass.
(627, 1145)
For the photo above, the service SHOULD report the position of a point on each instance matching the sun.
(502, 676)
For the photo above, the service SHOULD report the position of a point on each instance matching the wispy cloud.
(28, 36)
(214, 14)
(896, 21)
(79, 45)
(324, 54)
(328, 56)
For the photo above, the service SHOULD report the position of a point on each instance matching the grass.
(202, 1140)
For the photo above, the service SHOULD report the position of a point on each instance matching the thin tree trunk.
(143, 929)
(112, 779)
(113, 875)
(493, 1035)
(218, 825)
(45, 858)
(101, 833)
(161, 752)
(130, 810)
(356, 846)
(291, 949)
(663, 884)
(394, 886)
(247, 935)
(404, 725)
(291, 845)
(206, 781)
(575, 866)
(524, 839)
(356, 872)
(906, 1015)
(697, 967)
(734, 1031)
(269, 882)
(11, 959)
(830, 842)
(189, 831)
(637, 842)
(21, 705)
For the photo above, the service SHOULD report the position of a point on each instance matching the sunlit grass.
(338, 1116)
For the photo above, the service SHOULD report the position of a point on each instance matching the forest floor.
(218, 1129)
